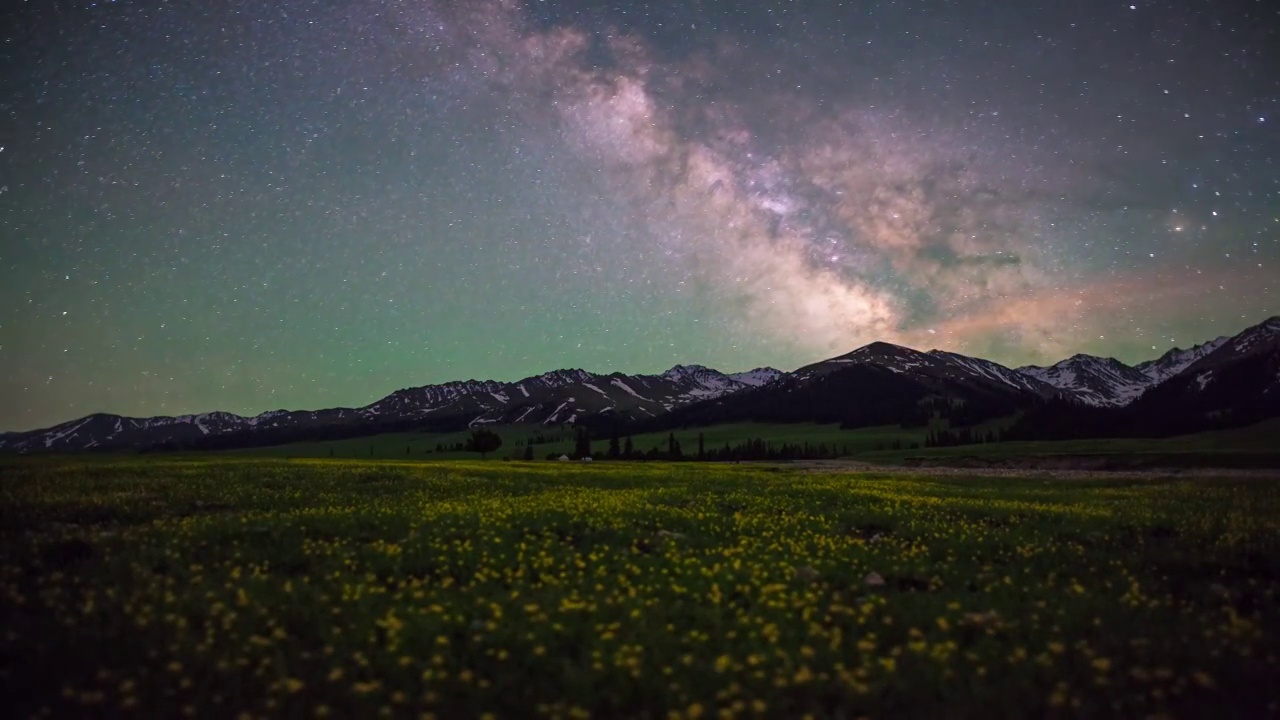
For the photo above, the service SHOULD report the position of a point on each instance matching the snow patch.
(627, 389)
(757, 377)
(52, 438)
(556, 413)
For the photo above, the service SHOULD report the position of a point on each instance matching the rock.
(873, 579)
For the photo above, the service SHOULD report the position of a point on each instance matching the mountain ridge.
(1108, 382)
(679, 394)
(553, 397)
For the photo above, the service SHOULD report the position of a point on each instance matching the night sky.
(254, 205)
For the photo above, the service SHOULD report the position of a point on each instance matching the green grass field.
(422, 445)
(224, 588)
(869, 444)
(1261, 441)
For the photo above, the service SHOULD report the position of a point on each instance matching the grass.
(400, 446)
(210, 588)
(1258, 442)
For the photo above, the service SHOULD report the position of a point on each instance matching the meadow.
(887, 444)
(225, 587)
(423, 445)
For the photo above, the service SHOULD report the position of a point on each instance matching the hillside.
(1226, 382)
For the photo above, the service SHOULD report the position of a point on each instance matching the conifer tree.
(483, 441)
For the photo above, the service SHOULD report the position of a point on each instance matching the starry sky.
(253, 205)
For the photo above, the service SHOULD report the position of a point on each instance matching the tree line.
(619, 447)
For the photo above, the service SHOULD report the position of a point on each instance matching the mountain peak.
(682, 371)
(567, 376)
(1093, 380)
(1176, 360)
(1087, 358)
(756, 377)
(1262, 337)
(880, 347)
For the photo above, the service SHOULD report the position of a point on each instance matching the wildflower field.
(264, 588)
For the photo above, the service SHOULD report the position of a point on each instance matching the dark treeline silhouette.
(623, 448)
(483, 441)
(759, 449)
(540, 437)
(1057, 419)
(948, 437)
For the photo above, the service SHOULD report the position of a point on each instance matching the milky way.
(250, 206)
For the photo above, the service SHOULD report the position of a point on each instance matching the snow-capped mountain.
(978, 368)
(1237, 383)
(560, 396)
(1236, 378)
(1107, 382)
(1261, 338)
(1177, 360)
(1101, 382)
(937, 364)
(567, 396)
(877, 384)
(756, 378)
(704, 382)
(429, 397)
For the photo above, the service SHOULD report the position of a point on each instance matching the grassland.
(876, 444)
(271, 588)
(1251, 446)
(412, 445)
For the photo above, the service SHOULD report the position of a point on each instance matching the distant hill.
(1226, 382)
(553, 398)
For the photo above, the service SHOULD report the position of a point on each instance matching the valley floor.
(228, 587)
(1255, 446)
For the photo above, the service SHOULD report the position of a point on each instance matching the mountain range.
(1224, 382)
